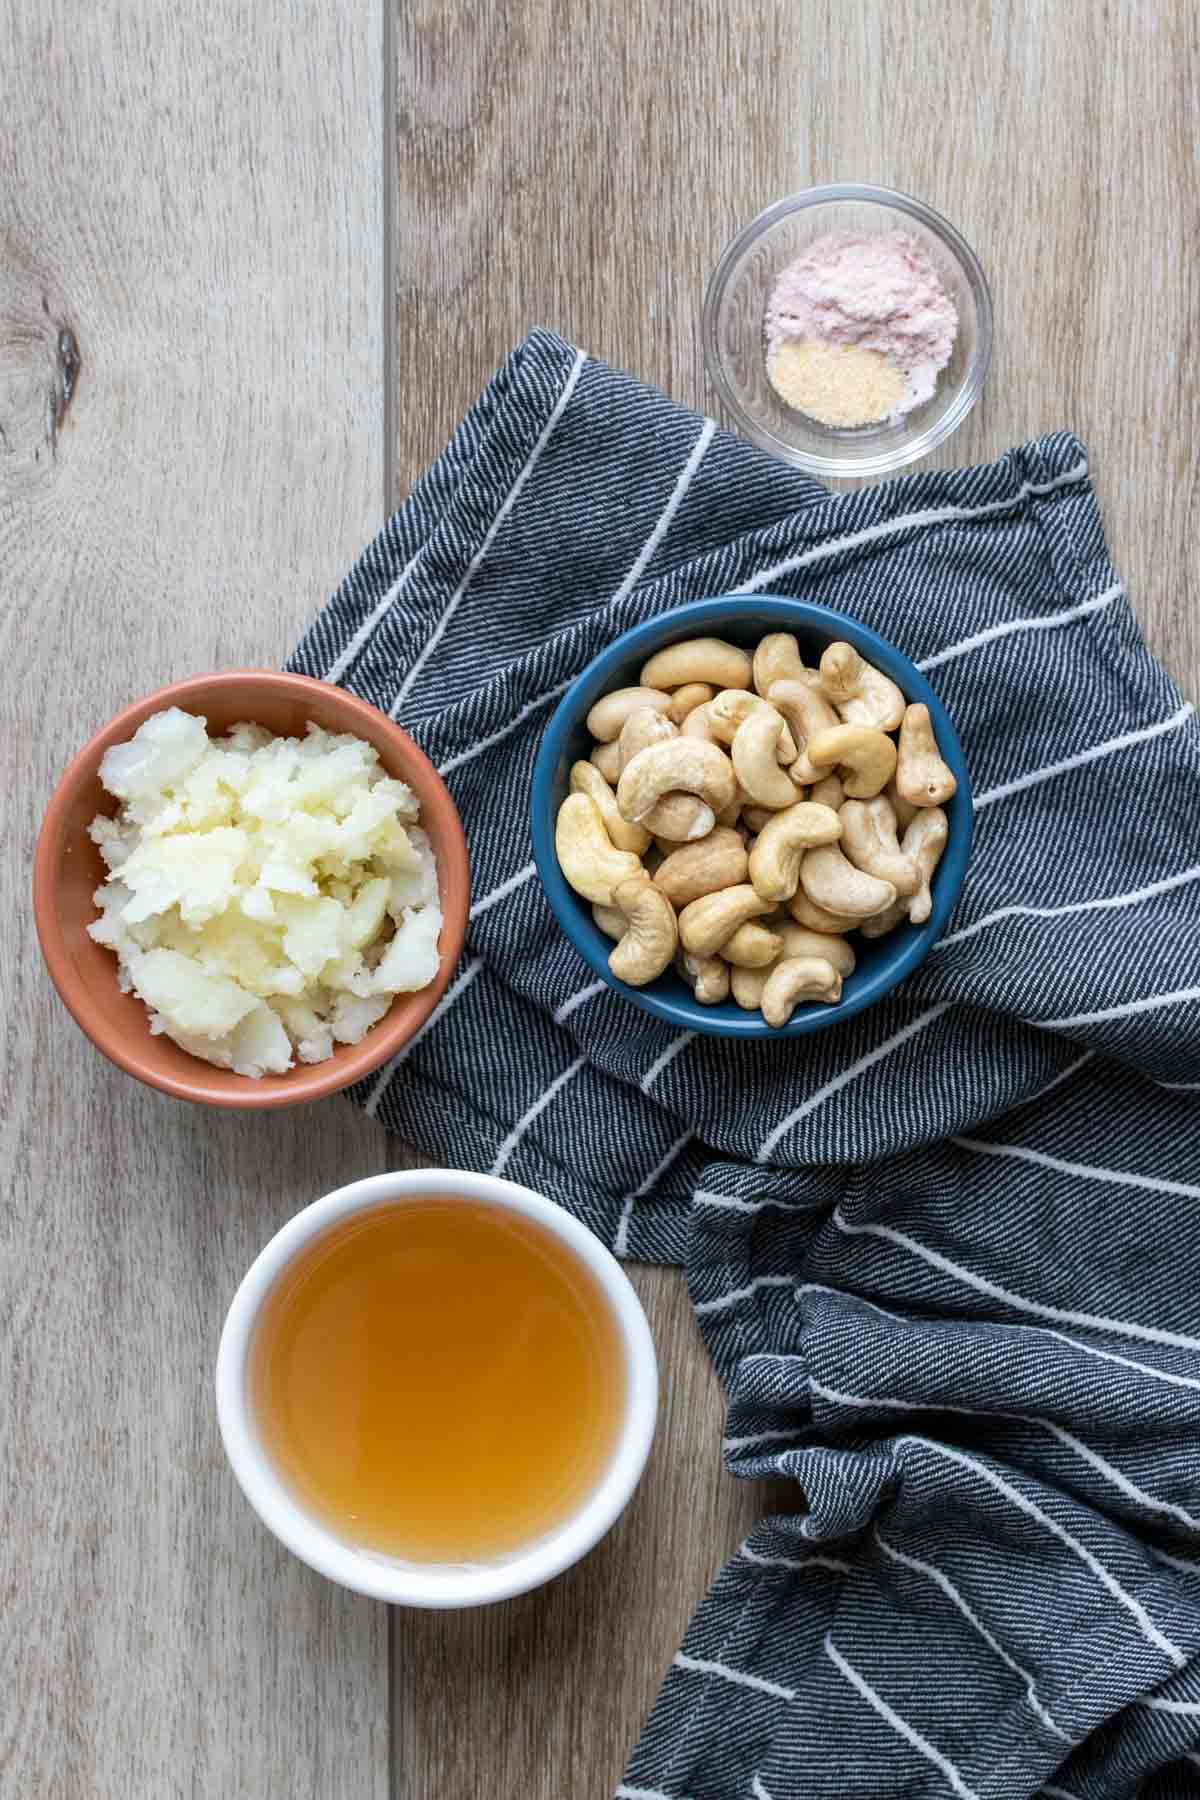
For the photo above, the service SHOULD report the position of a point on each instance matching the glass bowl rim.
(974, 377)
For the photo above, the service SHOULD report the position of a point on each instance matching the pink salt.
(874, 293)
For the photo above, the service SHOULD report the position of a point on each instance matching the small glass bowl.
(735, 345)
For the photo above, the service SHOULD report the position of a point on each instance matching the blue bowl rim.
(701, 618)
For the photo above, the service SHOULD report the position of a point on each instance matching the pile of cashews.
(740, 815)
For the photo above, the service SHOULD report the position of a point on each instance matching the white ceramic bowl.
(433, 1585)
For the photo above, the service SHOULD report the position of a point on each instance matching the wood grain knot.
(40, 367)
(69, 364)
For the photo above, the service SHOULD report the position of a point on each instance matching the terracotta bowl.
(68, 869)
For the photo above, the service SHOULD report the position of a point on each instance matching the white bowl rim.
(416, 1584)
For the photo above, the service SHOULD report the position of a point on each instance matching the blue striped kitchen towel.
(947, 1256)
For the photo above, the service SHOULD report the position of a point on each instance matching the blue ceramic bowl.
(882, 962)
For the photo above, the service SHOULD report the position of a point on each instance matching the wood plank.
(586, 175)
(583, 170)
(191, 451)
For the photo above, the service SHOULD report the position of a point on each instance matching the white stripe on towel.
(1047, 622)
(1108, 748)
(759, 1437)
(1183, 1709)
(663, 525)
(1023, 1504)
(743, 1293)
(847, 1075)
(703, 1197)
(938, 515)
(621, 1238)
(900, 1726)
(1108, 902)
(510, 500)
(497, 737)
(454, 992)
(534, 1112)
(668, 1056)
(831, 1564)
(1084, 1451)
(1151, 1003)
(580, 999)
(701, 1666)
(1175, 1562)
(1148, 1334)
(1126, 1362)
(634, 1793)
(504, 890)
(345, 657)
(1088, 1171)
(960, 1600)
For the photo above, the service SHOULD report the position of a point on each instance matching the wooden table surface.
(254, 261)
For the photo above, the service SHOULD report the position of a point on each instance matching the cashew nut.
(607, 758)
(698, 659)
(808, 714)
(762, 802)
(716, 861)
(752, 946)
(837, 885)
(610, 920)
(755, 756)
(611, 710)
(879, 924)
(798, 978)
(868, 755)
(732, 707)
(780, 846)
(587, 779)
(651, 936)
(748, 985)
(862, 694)
(828, 792)
(922, 778)
(711, 921)
(685, 765)
(869, 840)
(731, 814)
(687, 698)
(924, 842)
(707, 976)
(777, 658)
(833, 950)
(586, 854)
(642, 728)
(677, 817)
(812, 917)
(680, 819)
(699, 725)
(905, 813)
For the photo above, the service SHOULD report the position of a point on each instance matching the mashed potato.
(267, 897)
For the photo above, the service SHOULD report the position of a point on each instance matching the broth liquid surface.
(438, 1381)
